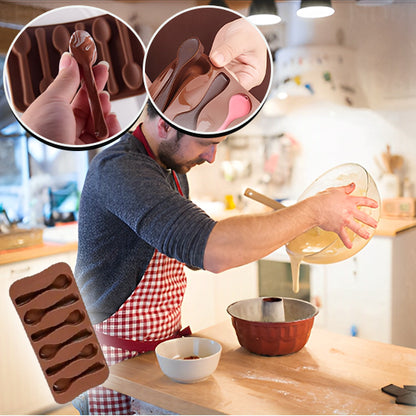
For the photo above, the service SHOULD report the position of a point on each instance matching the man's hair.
(151, 110)
(152, 113)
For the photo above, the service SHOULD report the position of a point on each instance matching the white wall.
(383, 40)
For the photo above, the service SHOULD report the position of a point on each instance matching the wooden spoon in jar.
(83, 48)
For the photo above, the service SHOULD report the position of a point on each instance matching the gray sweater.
(130, 206)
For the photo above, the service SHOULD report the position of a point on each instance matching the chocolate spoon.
(101, 31)
(83, 48)
(238, 106)
(33, 316)
(21, 48)
(87, 352)
(44, 59)
(49, 351)
(74, 318)
(61, 282)
(63, 384)
(60, 38)
(189, 119)
(131, 71)
(189, 52)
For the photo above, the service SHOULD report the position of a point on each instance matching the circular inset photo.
(208, 71)
(73, 77)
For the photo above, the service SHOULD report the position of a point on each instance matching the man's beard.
(166, 152)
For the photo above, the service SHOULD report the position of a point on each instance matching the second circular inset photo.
(74, 77)
(208, 71)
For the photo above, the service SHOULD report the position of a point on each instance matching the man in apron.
(138, 229)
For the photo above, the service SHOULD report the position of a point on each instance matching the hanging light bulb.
(220, 3)
(263, 12)
(315, 8)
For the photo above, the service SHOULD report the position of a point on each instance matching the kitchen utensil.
(405, 395)
(89, 351)
(239, 106)
(34, 316)
(131, 71)
(263, 199)
(49, 351)
(63, 384)
(101, 31)
(317, 245)
(74, 318)
(190, 118)
(59, 330)
(273, 310)
(258, 335)
(60, 38)
(188, 359)
(83, 49)
(21, 48)
(322, 247)
(61, 282)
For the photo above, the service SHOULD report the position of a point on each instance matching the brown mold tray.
(196, 95)
(34, 59)
(56, 322)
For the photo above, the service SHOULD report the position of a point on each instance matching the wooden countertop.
(332, 374)
(390, 227)
(41, 250)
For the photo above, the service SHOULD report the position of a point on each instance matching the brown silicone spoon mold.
(194, 94)
(58, 327)
(28, 62)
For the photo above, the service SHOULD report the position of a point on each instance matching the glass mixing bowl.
(322, 247)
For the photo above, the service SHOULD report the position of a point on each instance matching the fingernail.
(65, 61)
(218, 58)
(105, 63)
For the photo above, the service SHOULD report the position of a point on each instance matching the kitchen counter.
(389, 227)
(332, 374)
(41, 250)
(56, 240)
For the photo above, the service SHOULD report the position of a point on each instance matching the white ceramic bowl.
(177, 358)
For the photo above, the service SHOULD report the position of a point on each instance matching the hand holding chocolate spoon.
(83, 48)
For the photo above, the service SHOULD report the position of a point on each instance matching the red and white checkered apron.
(151, 313)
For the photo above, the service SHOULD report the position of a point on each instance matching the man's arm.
(242, 239)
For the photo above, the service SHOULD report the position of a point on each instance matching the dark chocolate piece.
(27, 65)
(83, 48)
(188, 53)
(58, 327)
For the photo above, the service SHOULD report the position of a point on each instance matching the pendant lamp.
(315, 8)
(220, 3)
(263, 12)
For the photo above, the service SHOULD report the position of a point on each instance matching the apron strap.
(139, 346)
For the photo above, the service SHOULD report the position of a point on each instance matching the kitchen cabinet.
(23, 389)
(208, 295)
(372, 294)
